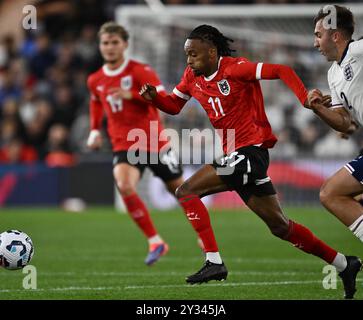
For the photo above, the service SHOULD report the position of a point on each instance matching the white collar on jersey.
(116, 72)
(215, 73)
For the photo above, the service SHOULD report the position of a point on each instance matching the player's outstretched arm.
(248, 71)
(288, 76)
(168, 103)
(352, 128)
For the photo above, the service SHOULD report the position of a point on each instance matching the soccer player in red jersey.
(114, 91)
(229, 91)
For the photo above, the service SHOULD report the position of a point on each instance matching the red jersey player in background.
(229, 91)
(114, 91)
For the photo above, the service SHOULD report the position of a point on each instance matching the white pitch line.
(231, 284)
(62, 289)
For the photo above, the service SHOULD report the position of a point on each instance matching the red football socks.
(140, 214)
(198, 216)
(302, 238)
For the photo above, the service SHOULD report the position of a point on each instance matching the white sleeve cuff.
(259, 71)
(181, 94)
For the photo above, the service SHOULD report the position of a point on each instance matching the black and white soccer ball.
(16, 249)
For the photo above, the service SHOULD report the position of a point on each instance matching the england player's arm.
(171, 104)
(94, 140)
(338, 119)
(335, 116)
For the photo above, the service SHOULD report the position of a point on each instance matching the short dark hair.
(113, 27)
(345, 19)
(211, 34)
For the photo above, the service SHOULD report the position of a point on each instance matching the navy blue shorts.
(355, 167)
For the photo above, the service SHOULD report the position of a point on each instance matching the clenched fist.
(314, 97)
(148, 92)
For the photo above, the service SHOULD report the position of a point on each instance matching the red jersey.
(125, 115)
(232, 98)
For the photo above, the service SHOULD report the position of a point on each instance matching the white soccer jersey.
(346, 81)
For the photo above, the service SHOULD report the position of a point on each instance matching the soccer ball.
(16, 249)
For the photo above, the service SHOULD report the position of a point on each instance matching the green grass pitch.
(99, 254)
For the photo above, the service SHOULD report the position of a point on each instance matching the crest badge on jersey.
(224, 87)
(348, 72)
(126, 83)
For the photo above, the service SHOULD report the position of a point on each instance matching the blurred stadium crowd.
(44, 98)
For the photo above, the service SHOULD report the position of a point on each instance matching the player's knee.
(180, 192)
(172, 187)
(324, 196)
(183, 191)
(125, 188)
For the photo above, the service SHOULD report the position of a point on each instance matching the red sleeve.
(249, 71)
(96, 109)
(287, 75)
(243, 70)
(171, 104)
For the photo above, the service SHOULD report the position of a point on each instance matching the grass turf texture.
(99, 254)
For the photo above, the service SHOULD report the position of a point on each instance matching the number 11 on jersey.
(218, 102)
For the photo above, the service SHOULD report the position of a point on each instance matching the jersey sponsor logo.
(126, 83)
(348, 72)
(224, 87)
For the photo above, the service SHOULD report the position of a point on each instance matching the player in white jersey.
(346, 85)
